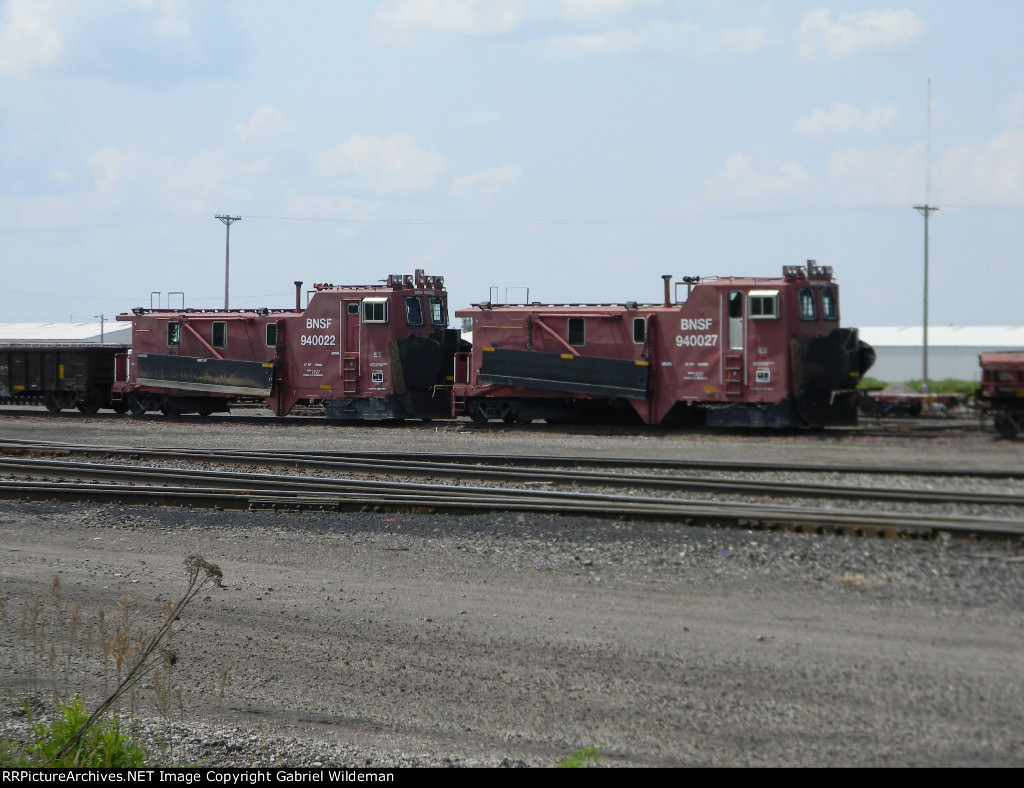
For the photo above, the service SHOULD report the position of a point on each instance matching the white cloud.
(462, 17)
(151, 42)
(570, 27)
(848, 34)
(30, 38)
(391, 165)
(590, 12)
(883, 175)
(266, 120)
(487, 182)
(681, 39)
(739, 179)
(993, 171)
(842, 118)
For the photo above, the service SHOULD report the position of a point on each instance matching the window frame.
(374, 302)
(442, 312)
(642, 321)
(269, 327)
(762, 297)
(829, 304)
(807, 304)
(173, 333)
(409, 302)
(224, 336)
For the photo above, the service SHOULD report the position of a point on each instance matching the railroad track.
(466, 464)
(107, 481)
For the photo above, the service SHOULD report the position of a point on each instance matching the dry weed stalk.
(201, 573)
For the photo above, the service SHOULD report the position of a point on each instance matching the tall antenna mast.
(926, 210)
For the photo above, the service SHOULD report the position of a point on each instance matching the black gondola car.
(58, 376)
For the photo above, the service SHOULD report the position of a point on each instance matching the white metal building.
(952, 350)
(109, 332)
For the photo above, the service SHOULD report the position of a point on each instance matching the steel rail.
(374, 492)
(748, 516)
(741, 486)
(521, 474)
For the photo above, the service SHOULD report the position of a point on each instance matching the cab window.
(639, 330)
(808, 309)
(271, 334)
(764, 304)
(437, 312)
(413, 311)
(829, 309)
(174, 335)
(577, 331)
(375, 310)
(220, 334)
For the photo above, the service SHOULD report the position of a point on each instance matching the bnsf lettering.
(695, 324)
(318, 322)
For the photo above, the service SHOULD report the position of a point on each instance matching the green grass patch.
(587, 758)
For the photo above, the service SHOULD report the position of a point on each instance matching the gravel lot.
(404, 639)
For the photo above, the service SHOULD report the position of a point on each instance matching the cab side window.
(220, 334)
(375, 310)
(174, 335)
(639, 330)
(577, 331)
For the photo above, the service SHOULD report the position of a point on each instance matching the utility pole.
(926, 210)
(103, 320)
(228, 220)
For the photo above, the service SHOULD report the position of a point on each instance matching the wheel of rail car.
(136, 407)
(204, 412)
(476, 416)
(1006, 427)
(51, 404)
(91, 403)
(119, 406)
(510, 418)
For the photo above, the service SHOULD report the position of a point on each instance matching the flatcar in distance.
(728, 351)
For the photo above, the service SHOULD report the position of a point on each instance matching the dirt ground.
(401, 639)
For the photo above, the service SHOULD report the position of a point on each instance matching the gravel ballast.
(377, 639)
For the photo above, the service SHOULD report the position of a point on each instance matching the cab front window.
(413, 311)
(438, 315)
(829, 308)
(808, 309)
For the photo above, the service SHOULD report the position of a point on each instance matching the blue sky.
(578, 147)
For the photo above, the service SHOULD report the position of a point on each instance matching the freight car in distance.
(58, 375)
(1002, 391)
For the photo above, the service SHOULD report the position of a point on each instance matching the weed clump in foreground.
(102, 745)
(79, 739)
(587, 758)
